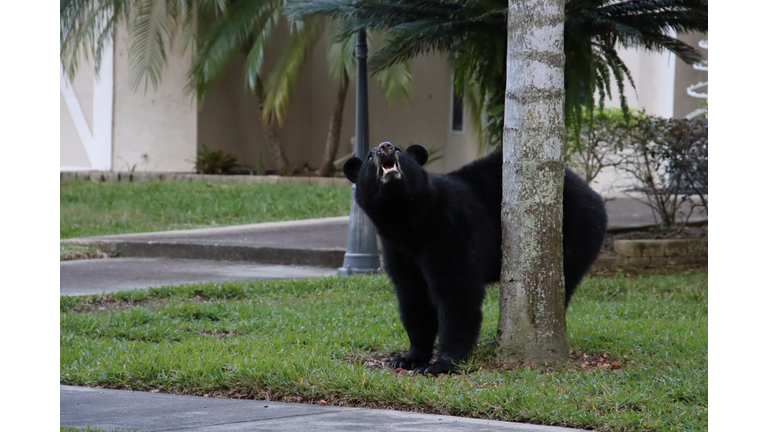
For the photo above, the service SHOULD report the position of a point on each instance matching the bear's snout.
(386, 149)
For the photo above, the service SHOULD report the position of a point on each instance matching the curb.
(140, 177)
(264, 255)
(630, 228)
(330, 257)
(176, 244)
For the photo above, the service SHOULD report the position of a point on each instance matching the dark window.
(457, 118)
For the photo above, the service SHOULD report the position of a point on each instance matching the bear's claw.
(436, 368)
(408, 363)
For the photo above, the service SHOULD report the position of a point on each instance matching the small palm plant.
(214, 162)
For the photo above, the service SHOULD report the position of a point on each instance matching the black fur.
(441, 238)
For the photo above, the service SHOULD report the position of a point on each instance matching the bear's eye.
(370, 156)
(397, 149)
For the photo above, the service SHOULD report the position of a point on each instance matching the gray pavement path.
(311, 242)
(119, 409)
(96, 276)
(629, 212)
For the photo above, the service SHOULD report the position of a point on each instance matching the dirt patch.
(107, 302)
(80, 253)
(578, 362)
(218, 335)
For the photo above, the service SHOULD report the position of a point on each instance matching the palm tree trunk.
(532, 293)
(334, 129)
(279, 161)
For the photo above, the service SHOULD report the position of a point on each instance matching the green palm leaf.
(146, 50)
(283, 78)
(395, 80)
(238, 26)
(341, 57)
(86, 26)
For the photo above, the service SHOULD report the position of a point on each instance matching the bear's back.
(483, 176)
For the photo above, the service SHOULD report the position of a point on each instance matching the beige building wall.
(654, 77)
(154, 129)
(661, 80)
(229, 119)
(686, 75)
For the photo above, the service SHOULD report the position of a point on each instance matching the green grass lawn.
(95, 208)
(297, 341)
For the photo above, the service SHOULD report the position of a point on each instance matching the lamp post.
(362, 252)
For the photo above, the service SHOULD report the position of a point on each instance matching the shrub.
(594, 144)
(670, 160)
(214, 162)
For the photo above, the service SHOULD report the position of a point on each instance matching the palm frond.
(264, 26)
(184, 15)
(395, 80)
(146, 48)
(86, 26)
(300, 10)
(283, 78)
(341, 58)
(233, 29)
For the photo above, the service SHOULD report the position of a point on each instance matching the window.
(457, 112)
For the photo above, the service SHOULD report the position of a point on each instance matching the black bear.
(441, 241)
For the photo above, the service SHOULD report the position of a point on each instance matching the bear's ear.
(352, 168)
(419, 153)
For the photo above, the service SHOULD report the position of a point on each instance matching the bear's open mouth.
(388, 168)
(387, 162)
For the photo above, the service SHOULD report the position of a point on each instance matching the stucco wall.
(229, 118)
(686, 76)
(153, 129)
(653, 74)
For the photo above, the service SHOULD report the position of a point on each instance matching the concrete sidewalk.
(311, 242)
(119, 409)
(96, 276)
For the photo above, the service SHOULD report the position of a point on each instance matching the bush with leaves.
(214, 162)
(669, 159)
(597, 143)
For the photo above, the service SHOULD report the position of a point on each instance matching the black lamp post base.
(359, 263)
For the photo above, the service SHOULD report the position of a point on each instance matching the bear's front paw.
(436, 368)
(408, 362)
